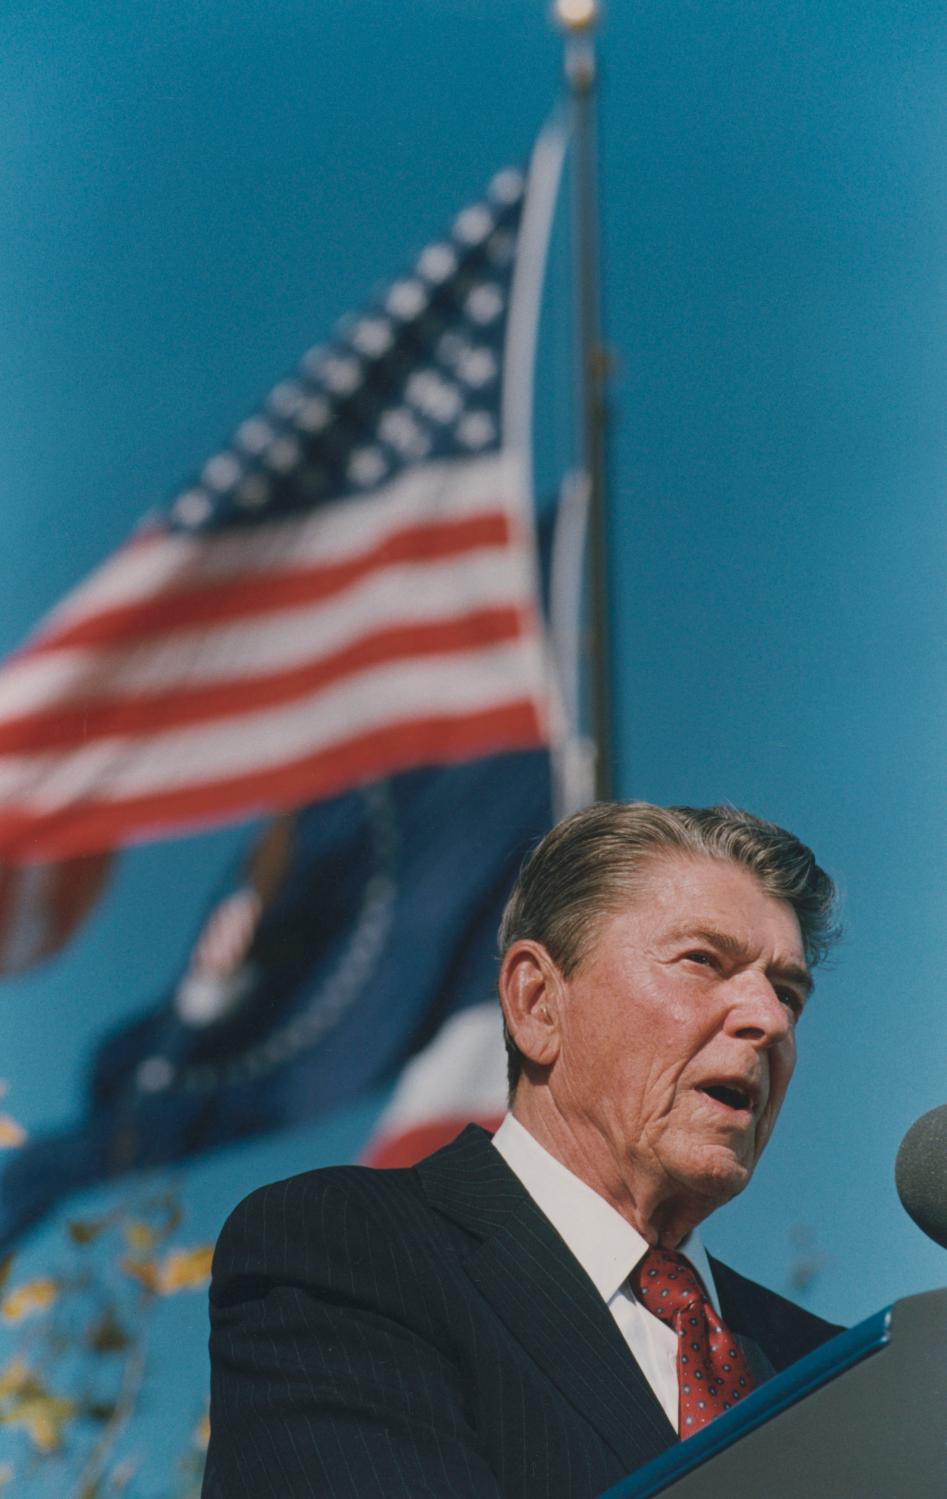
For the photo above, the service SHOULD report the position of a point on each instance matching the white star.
(286, 399)
(436, 263)
(255, 435)
(476, 367)
(341, 375)
(405, 434)
(473, 225)
(406, 299)
(154, 1074)
(221, 471)
(366, 466)
(506, 186)
(313, 415)
(372, 336)
(192, 508)
(475, 429)
(434, 396)
(484, 304)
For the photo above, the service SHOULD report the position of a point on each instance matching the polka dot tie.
(712, 1370)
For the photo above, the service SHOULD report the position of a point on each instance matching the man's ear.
(530, 987)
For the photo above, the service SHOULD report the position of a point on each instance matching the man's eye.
(701, 957)
(791, 999)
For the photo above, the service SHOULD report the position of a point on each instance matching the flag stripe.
(37, 833)
(150, 713)
(153, 561)
(459, 1076)
(414, 594)
(248, 597)
(118, 768)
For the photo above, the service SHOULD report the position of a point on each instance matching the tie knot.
(667, 1283)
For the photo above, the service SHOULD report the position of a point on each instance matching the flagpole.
(578, 19)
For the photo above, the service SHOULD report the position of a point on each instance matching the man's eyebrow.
(726, 942)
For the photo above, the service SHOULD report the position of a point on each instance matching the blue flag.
(372, 918)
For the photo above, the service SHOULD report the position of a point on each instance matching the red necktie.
(712, 1370)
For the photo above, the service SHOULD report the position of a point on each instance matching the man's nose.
(756, 1011)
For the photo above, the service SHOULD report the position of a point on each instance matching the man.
(533, 1317)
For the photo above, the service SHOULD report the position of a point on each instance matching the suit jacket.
(426, 1332)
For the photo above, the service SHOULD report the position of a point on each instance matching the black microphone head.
(920, 1173)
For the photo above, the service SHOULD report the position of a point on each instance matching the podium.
(863, 1417)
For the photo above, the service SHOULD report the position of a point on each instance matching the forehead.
(682, 894)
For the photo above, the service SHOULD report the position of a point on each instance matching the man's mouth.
(734, 1097)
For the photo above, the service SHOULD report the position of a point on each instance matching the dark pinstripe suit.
(427, 1333)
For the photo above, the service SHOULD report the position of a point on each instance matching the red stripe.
(78, 884)
(62, 902)
(177, 707)
(92, 826)
(208, 601)
(412, 1145)
(7, 878)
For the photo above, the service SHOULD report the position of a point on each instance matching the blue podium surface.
(865, 1415)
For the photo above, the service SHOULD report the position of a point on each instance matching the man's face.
(677, 1035)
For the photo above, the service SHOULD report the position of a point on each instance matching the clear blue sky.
(192, 193)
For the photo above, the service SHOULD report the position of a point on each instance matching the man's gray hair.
(591, 864)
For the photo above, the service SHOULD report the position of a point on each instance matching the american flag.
(346, 590)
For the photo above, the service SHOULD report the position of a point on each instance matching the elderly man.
(535, 1315)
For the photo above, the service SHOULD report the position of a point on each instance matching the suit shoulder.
(326, 1206)
(787, 1331)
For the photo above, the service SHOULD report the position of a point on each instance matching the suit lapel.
(542, 1294)
(738, 1317)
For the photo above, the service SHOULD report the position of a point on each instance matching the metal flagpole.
(578, 19)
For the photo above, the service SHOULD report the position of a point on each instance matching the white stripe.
(461, 1072)
(438, 491)
(110, 770)
(259, 645)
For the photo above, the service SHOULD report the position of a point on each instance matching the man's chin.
(718, 1174)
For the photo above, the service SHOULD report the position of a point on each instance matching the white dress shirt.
(608, 1249)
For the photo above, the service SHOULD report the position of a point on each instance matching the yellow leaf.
(15, 1377)
(12, 1134)
(140, 1236)
(33, 1296)
(185, 1269)
(146, 1272)
(202, 1432)
(43, 1416)
(180, 1270)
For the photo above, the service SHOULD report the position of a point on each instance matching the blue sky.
(191, 194)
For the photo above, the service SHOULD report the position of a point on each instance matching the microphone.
(920, 1173)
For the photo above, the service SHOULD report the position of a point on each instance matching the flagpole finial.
(576, 15)
(578, 20)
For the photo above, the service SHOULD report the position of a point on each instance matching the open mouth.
(733, 1098)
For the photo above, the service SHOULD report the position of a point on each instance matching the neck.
(662, 1215)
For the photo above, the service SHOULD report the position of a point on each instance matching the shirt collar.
(605, 1245)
